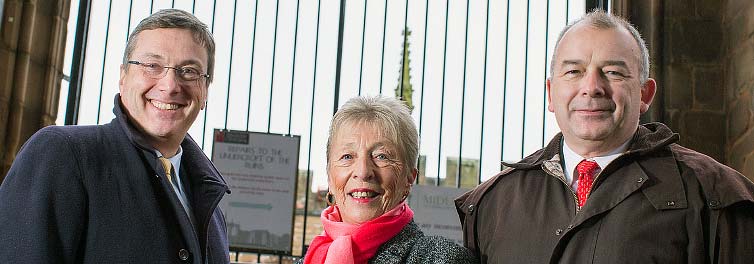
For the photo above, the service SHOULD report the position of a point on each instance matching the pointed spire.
(404, 91)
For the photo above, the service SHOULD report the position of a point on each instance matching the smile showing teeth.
(164, 106)
(361, 195)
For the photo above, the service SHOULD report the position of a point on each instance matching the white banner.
(260, 170)
(435, 212)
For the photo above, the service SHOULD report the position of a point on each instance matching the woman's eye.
(346, 157)
(381, 157)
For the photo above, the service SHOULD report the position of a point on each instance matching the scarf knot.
(345, 243)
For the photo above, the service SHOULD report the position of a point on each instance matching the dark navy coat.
(97, 194)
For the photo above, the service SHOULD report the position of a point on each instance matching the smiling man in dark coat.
(606, 189)
(136, 190)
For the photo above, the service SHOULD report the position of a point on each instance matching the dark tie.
(587, 170)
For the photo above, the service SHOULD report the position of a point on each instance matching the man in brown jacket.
(606, 189)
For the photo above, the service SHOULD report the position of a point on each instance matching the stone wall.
(737, 53)
(703, 59)
(32, 45)
(694, 87)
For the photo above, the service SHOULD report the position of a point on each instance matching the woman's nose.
(364, 168)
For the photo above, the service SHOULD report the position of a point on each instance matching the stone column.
(738, 92)
(32, 49)
(685, 40)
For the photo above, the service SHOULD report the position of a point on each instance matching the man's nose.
(170, 82)
(594, 84)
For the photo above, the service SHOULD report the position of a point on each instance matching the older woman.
(371, 163)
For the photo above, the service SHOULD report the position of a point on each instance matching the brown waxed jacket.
(657, 203)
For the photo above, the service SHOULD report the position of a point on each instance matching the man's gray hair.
(175, 18)
(388, 115)
(601, 20)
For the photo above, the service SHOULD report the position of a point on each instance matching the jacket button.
(558, 232)
(714, 204)
(183, 254)
(471, 208)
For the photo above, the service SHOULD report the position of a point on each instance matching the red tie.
(587, 169)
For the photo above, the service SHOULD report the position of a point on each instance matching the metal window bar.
(332, 76)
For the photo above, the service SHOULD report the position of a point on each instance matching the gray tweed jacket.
(412, 246)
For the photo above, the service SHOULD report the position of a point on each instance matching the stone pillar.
(32, 49)
(647, 17)
(685, 38)
(695, 97)
(738, 55)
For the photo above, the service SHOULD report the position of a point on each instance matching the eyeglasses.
(157, 71)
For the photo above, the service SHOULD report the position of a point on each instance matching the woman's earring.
(330, 199)
(405, 194)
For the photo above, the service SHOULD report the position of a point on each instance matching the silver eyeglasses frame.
(181, 72)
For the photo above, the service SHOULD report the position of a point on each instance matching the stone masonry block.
(34, 37)
(739, 28)
(748, 167)
(707, 8)
(680, 8)
(699, 130)
(700, 40)
(693, 40)
(674, 120)
(11, 24)
(740, 148)
(740, 116)
(678, 87)
(709, 90)
(734, 7)
(670, 29)
(740, 68)
(7, 67)
(29, 82)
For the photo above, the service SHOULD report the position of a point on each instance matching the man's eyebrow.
(183, 63)
(615, 63)
(571, 62)
(619, 63)
(152, 56)
(192, 62)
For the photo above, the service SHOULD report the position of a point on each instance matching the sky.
(478, 93)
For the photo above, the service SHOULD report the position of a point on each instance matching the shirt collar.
(175, 160)
(571, 158)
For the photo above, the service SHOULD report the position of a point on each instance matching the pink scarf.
(345, 243)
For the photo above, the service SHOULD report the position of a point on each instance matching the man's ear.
(122, 76)
(549, 96)
(648, 90)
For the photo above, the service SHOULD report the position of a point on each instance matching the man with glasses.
(136, 190)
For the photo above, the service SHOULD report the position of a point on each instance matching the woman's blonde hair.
(390, 116)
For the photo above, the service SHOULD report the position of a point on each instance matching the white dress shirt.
(179, 190)
(571, 160)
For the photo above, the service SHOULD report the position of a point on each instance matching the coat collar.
(648, 137)
(202, 170)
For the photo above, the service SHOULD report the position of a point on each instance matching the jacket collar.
(200, 165)
(648, 137)
(133, 134)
